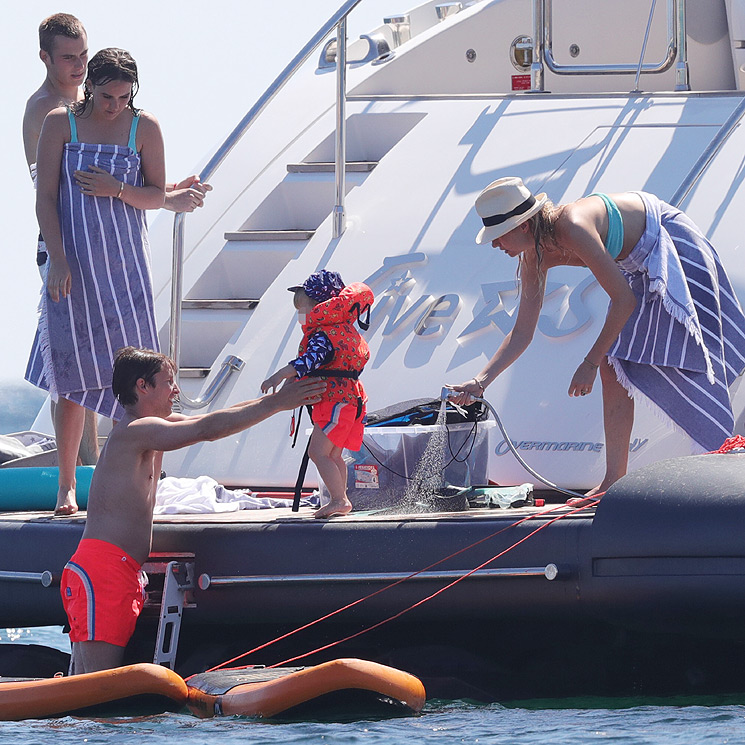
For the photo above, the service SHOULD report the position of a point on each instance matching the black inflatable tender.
(668, 548)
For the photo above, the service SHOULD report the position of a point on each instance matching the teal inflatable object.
(23, 489)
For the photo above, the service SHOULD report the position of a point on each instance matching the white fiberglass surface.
(444, 304)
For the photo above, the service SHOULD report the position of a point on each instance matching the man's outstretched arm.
(162, 434)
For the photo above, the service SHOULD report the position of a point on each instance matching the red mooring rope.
(465, 575)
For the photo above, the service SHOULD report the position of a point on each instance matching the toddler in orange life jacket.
(333, 350)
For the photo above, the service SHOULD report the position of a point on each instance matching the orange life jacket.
(336, 318)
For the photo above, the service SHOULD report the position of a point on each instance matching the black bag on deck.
(423, 411)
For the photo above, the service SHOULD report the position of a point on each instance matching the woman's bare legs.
(69, 419)
(89, 451)
(618, 419)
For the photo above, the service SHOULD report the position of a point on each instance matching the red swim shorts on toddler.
(103, 590)
(343, 424)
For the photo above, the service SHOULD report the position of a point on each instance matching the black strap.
(297, 425)
(303, 462)
(364, 325)
(301, 478)
(321, 372)
(521, 209)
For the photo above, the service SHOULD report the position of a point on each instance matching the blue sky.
(201, 65)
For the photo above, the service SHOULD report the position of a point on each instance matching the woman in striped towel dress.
(674, 334)
(100, 165)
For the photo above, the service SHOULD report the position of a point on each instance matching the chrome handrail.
(536, 66)
(644, 46)
(207, 581)
(337, 20)
(543, 51)
(45, 578)
(229, 365)
(341, 126)
(682, 82)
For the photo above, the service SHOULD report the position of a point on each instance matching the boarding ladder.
(170, 589)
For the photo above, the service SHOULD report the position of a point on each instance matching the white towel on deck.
(181, 496)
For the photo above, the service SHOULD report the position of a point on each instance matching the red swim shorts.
(342, 423)
(103, 590)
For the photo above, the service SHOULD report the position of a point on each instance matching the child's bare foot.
(66, 502)
(334, 508)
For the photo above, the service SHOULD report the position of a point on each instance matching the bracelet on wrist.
(121, 190)
(592, 364)
(480, 385)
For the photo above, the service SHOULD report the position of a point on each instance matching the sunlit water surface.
(575, 722)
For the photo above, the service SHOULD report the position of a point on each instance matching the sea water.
(566, 722)
(571, 722)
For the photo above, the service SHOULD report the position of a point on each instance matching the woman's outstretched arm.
(518, 339)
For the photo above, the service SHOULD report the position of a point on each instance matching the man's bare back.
(122, 494)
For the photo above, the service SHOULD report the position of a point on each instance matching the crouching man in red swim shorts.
(102, 584)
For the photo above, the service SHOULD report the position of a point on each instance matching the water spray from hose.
(445, 394)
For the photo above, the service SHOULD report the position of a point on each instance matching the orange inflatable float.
(270, 691)
(261, 692)
(31, 699)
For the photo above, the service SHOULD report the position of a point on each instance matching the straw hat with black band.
(505, 204)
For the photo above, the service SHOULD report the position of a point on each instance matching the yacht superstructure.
(373, 173)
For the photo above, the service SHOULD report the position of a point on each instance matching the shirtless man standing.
(63, 49)
(101, 585)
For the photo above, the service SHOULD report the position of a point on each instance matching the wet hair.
(543, 228)
(131, 364)
(104, 67)
(60, 24)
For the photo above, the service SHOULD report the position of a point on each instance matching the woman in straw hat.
(674, 334)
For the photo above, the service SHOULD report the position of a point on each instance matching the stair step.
(270, 235)
(353, 166)
(194, 372)
(220, 304)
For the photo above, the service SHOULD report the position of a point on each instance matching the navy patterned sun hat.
(321, 286)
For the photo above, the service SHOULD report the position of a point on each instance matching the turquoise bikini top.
(132, 144)
(614, 239)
